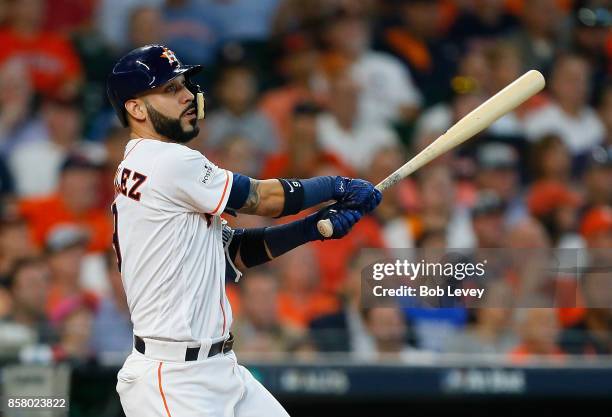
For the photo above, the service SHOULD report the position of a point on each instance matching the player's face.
(171, 109)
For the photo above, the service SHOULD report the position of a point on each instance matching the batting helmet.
(145, 68)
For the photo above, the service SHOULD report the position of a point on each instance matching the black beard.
(171, 128)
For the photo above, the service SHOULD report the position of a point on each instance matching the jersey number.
(138, 179)
(116, 235)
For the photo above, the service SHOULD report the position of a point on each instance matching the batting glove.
(356, 194)
(342, 219)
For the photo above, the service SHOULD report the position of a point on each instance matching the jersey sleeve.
(188, 180)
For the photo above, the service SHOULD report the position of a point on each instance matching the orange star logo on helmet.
(169, 55)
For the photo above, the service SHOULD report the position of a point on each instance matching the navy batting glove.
(342, 219)
(356, 194)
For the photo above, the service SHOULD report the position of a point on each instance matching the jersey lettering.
(137, 177)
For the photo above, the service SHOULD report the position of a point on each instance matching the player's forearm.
(282, 197)
(265, 198)
(252, 247)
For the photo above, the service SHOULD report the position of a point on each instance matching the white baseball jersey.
(168, 239)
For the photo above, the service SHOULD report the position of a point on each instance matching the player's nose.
(186, 96)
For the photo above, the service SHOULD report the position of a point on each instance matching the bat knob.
(325, 227)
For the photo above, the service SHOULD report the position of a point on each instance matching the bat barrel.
(506, 100)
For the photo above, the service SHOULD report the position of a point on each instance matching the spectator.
(299, 67)
(304, 157)
(387, 92)
(550, 160)
(538, 331)
(467, 95)
(341, 131)
(141, 19)
(68, 16)
(527, 271)
(36, 164)
(51, 60)
(556, 207)
(568, 114)
(591, 39)
(388, 328)
(506, 66)
(237, 116)
(65, 250)
(112, 336)
(15, 102)
(539, 35)
(190, 31)
(398, 227)
(605, 113)
(15, 241)
(114, 20)
(592, 335)
(596, 228)
(491, 332)
(483, 21)
(597, 177)
(528, 234)
(75, 201)
(238, 154)
(292, 15)
(73, 318)
(28, 287)
(416, 41)
(345, 331)
(333, 256)
(498, 171)
(488, 220)
(301, 299)
(243, 20)
(437, 208)
(259, 327)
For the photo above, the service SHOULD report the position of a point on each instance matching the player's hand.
(343, 219)
(356, 194)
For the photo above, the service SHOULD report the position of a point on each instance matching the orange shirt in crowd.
(276, 166)
(68, 15)
(298, 311)
(43, 214)
(50, 58)
(278, 106)
(334, 255)
(522, 355)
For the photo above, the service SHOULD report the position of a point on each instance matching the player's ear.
(136, 109)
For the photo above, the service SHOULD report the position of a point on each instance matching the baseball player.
(174, 250)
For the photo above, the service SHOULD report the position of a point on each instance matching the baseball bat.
(506, 100)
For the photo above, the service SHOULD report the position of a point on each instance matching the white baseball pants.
(210, 387)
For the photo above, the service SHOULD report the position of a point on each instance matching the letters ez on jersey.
(127, 182)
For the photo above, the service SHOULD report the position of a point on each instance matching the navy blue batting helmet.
(143, 69)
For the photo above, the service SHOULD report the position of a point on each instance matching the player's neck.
(138, 132)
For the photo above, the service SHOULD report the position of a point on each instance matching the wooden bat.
(473, 123)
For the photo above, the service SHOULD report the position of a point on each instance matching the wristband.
(294, 197)
(252, 247)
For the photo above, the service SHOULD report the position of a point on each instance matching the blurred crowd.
(295, 89)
